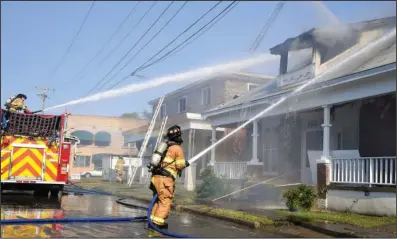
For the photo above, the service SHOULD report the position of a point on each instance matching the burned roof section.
(323, 35)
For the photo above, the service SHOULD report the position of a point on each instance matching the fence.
(231, 170)
(368, 171)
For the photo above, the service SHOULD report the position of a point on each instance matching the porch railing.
(367, 171)
(230, 170)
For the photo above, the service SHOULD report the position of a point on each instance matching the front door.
(27, 162)
(311, 140)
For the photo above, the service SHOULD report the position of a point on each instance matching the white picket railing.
(231, 170)
(368, 171)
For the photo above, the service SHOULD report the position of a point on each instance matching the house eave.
(322, 84)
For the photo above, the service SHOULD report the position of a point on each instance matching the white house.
(345, 114)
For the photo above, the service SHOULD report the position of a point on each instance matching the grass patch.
(258, 221)
(358, 220)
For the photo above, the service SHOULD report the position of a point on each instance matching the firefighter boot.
(164, 226)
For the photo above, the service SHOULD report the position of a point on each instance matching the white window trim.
(165, 110)
(249, 84)
(202, 95)
(179, 104)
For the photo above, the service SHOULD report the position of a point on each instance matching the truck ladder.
(146, 140)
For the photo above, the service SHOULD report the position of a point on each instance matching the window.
(182, 105)
(102, 139)
(251, 86)
(85, 137)
(82, 161)
(206, 96)
(163, 111)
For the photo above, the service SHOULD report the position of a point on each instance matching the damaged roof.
(384, 57)
(306, 39)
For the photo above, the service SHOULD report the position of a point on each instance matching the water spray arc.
(372, 47)
(198, 73)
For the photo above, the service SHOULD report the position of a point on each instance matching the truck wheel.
(54, 193)
(87, 175)
(41, 192)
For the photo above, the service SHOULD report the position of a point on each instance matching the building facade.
(98, 136)
(336, 108)
(184, 107)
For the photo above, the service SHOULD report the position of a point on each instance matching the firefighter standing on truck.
(120, 169)
(16, 104)
(165, 170)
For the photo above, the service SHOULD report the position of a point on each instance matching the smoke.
(193, 74)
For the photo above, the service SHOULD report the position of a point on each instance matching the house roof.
(306, 39)
(385, 57)
(259, 78)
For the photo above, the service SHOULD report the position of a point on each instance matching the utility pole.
(44, 95)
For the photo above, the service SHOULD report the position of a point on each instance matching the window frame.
(76, 163)
(179, 104)
(209, 96)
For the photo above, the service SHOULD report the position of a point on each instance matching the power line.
(107, 42)
(73, 41)
(266, 27)
(176, 51)
(120, 43)
(187, 29)
(128, 52)
(143, 66)
(143, 47)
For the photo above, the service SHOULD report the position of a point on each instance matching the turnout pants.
(164, 187)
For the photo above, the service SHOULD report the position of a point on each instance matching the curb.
(321, 229)
(239, 221)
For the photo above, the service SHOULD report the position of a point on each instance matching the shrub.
(211, 186)
(302, 197)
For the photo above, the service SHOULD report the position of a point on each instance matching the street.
(27, 206)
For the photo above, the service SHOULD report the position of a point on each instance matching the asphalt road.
(27, 206)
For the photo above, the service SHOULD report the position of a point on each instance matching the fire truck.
(35, 153)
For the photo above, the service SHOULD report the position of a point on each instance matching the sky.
(35, 36)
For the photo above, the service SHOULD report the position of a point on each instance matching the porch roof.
(186, 121)
(383, 61)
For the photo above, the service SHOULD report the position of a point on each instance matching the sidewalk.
(325, 224)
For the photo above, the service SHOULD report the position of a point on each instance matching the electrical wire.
(143, 66)
(73, 41)
(122, 41)
(266, 27)
(107, 42)
(143, 47)
(192, 40)
(187, 29)
(133, 47)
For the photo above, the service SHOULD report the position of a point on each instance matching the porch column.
(213, 140)
(324, 163)
(190, 172)
(254, 159)
(327, 133)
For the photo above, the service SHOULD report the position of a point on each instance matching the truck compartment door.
(27, 162)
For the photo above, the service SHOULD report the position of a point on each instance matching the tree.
(133, 115)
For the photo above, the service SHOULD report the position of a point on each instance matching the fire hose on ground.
(80, 190)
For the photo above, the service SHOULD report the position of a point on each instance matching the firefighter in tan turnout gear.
(167, 164)
(120, 169)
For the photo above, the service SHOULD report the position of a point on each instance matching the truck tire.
(41, 192)
(54, 193)
(87, 175)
